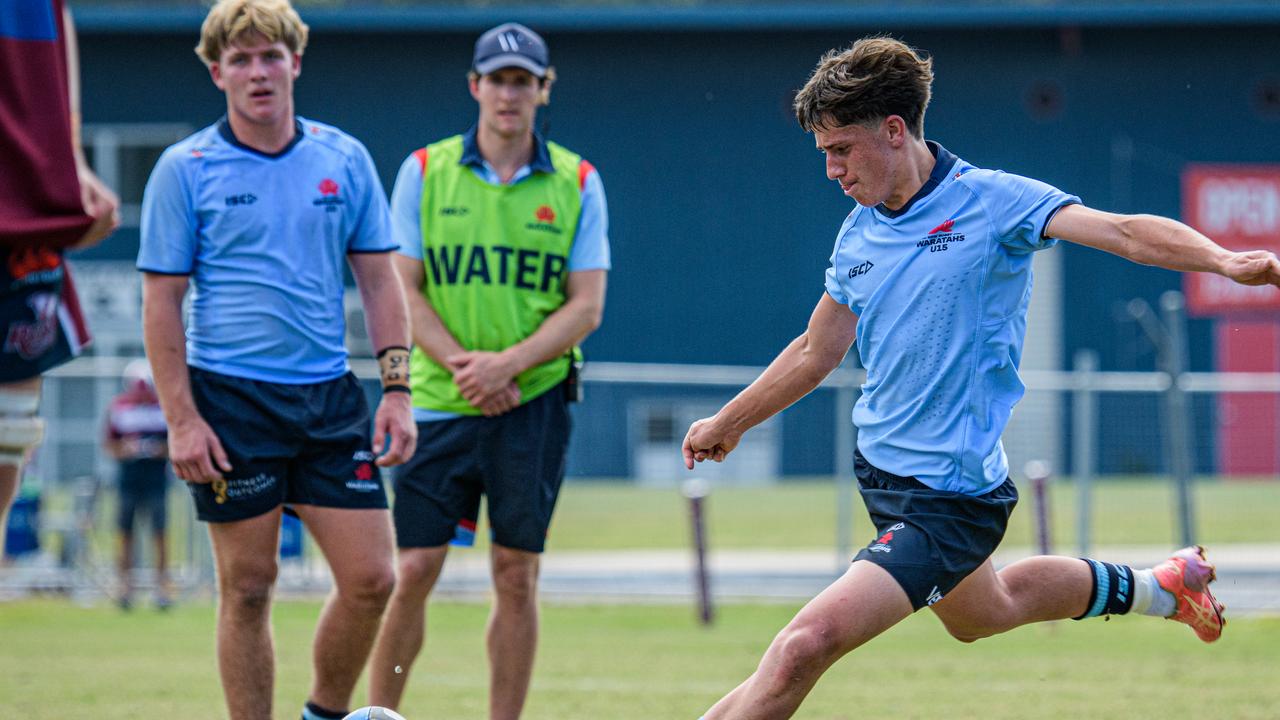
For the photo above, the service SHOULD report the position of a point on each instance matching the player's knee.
(802, 646)
(416, 572)
(370, 588)
(248, 593)
(20, 428)
(515, 580)
(967, 636)
(973, 632)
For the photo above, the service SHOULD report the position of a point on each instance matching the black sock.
(1112, 592)
(315, 712)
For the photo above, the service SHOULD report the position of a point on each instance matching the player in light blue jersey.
(258, 214)
(931, 275)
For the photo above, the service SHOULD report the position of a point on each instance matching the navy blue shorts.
(288, 444)
(515, 460)
(929, 540)
(41, 323)
(142, 491)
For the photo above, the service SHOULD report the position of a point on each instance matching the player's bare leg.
(1031, 590)
(245, 556)
(124, 566)
(359, 546)
(20, 430)
(163, 592)
(1053, 588)
(512, 634)
(404, 627)
(863, 603)
(8, 490)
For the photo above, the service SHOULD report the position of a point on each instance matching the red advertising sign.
(1239, 207)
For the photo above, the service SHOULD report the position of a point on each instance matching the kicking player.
(504, 255)
(50, 200)
(931, 275)
(259, 212)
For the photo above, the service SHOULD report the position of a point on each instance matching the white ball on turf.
(374, 713)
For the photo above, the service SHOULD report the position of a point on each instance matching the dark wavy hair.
(874, 78)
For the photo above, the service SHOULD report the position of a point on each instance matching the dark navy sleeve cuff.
(1045, 229)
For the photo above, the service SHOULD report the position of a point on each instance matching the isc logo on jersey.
(862, 269)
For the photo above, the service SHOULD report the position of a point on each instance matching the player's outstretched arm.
(797, 370)
(1159, 241)
(387, 320)
(194, 448)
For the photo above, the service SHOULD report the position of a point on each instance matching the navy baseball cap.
(510, 45)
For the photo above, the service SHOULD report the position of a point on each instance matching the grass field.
(802, 515)
(649, 662)
(58, 660)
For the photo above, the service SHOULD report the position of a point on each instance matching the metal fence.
(1065, 419)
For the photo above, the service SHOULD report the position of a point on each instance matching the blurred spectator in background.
(136, 436)
(49, 201)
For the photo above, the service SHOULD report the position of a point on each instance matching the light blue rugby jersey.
(941, 288)
(264, 239)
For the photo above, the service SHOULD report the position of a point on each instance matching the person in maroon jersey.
(50, 201)
(138, 438)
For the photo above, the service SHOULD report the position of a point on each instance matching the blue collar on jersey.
(471, 153)
(224, 129)
(944, 161)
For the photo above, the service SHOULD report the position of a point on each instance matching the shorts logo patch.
(42, 262)
(363, 481)
(882, 543)
(237, 488)
(934, 596)
(31, 340)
